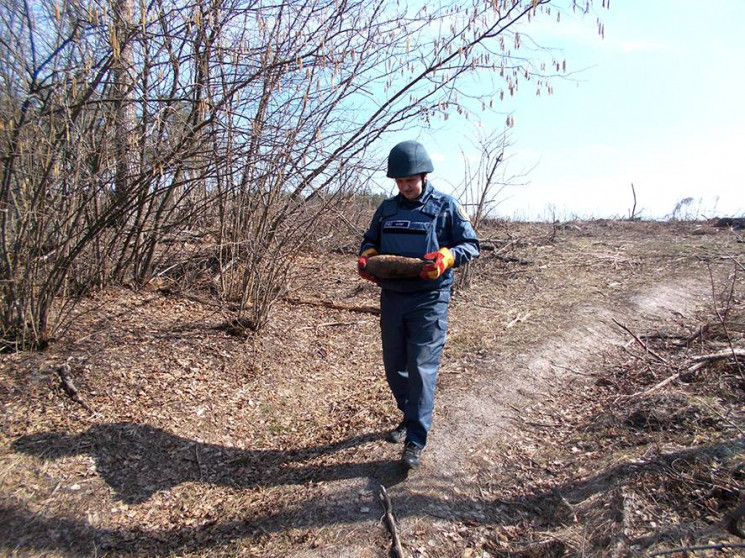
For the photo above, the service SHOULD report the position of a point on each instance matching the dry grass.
(204, 443)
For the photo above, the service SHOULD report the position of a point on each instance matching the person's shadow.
(138, 460)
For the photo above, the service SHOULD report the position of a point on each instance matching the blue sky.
(659, 102)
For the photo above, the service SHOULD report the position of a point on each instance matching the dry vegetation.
(590, 404)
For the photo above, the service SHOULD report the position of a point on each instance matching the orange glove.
(439, 263)
(362, 264)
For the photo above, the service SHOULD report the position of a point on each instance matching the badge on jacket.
(463, 214)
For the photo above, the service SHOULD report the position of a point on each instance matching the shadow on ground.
(136, 461)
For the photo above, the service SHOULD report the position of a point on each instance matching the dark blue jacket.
(414, 228)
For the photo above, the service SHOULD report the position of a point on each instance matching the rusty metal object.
(394, 267)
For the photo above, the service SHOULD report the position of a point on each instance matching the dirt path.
(475, 419)
(473, 422)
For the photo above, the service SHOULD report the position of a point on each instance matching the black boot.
(398, 434)
(412, 456)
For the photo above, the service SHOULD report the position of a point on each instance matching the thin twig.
(513, 259)
(737, 264)
(519, 318)
(698, 333)
(722, 316)
(698, 362)
(646, 348)
(330, 324)
(656, 386)
(733, 425)
(398, 550)
(69, 387)
(721, 355)
(199, 462)
(693, 548)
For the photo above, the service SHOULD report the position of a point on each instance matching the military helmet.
(407, 159)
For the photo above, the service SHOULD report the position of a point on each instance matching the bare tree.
(485, 182)
(243, 119)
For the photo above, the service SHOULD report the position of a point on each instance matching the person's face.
(410, 186)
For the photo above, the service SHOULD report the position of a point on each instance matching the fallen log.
(365, 308)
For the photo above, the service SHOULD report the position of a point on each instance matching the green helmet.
(407, 159)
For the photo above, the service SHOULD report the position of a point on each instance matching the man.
(418, 222)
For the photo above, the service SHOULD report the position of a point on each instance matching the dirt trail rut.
(479, 417)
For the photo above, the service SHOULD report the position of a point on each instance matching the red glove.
(439, 263)
(362, 264)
